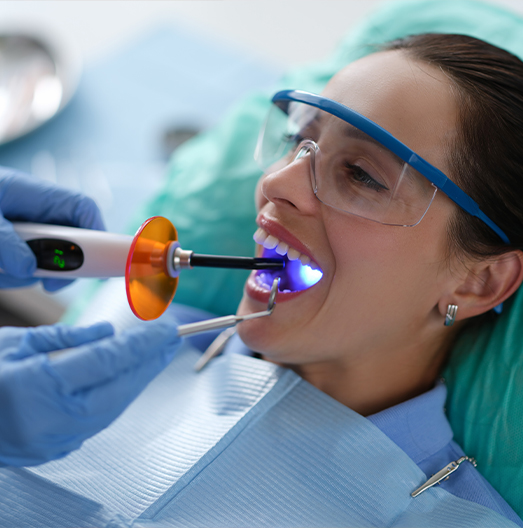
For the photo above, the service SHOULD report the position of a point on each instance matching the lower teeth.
(262, 280)
(265, 280)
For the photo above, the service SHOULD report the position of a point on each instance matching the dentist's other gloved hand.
(50, 404)
(24, 198)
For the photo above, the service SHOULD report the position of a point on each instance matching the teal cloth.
(220, 449)
(209, 197)
(485, 401)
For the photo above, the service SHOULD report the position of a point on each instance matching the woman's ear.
(485, 284)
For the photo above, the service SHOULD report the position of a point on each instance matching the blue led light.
(295, 276)
(310, 276)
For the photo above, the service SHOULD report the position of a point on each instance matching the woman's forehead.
(412, 100)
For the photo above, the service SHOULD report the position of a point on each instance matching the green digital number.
(60, 262)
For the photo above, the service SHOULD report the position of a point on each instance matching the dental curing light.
(150, 261)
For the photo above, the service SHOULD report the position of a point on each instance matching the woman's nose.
(291, 186)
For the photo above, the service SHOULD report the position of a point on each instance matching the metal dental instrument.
(221, 340)
(229, 320)
(211, 324)
(215, 348)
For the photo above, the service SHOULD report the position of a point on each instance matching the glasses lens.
(282, 134)
(351, 171)
(149, 289)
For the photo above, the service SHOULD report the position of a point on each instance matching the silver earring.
(450, 316)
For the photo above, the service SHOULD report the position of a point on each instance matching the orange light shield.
(150, 290)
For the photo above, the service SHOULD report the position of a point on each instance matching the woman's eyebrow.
(355, 133)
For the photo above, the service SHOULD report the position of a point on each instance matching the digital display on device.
(56, 255)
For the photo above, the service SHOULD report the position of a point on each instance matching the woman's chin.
(280, 334)
(256, 333)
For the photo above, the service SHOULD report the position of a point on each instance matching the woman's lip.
(277, 230)
(256, 292)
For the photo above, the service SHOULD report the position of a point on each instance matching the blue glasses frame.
(434, 175)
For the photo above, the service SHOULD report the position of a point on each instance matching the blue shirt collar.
(419, 425)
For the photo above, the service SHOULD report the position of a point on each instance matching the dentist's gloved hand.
(50, 405)
(24, 198)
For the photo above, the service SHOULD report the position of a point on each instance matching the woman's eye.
(360, 176)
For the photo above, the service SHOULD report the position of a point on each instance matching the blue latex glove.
(28, 199)
(49, 406)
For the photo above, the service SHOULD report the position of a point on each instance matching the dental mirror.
(37, 79)
(229, 320)
(200, 327)
(272, 296)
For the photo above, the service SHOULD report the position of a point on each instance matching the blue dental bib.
(243, 443)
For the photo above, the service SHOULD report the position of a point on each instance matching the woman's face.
(381, 285)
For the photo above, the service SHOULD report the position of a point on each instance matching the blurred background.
(139, 77)
(282, 32)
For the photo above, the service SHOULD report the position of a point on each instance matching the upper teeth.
(282, 248)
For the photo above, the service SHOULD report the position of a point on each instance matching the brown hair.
(487, 158)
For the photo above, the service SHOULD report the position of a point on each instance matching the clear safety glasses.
(356, 165)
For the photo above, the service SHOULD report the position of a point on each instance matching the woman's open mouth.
(299, 274)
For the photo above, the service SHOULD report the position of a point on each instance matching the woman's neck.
(374, 382)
